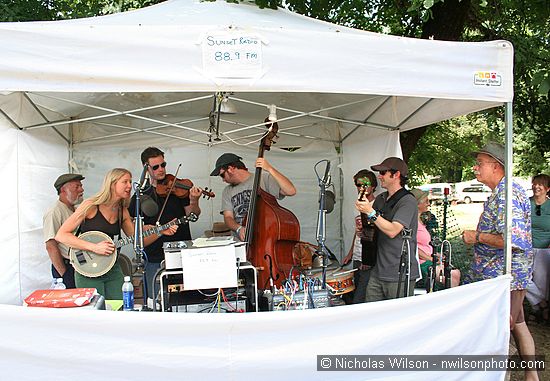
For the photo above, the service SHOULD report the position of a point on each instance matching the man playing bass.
(236, 195)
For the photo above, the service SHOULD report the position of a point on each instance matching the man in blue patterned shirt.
(488, 241)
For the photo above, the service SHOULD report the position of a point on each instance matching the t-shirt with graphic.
(236, 198)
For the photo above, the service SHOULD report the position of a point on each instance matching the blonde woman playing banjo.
(103, 215)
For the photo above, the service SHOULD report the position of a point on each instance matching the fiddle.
(179, 187)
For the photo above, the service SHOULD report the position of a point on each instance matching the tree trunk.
(447, 23)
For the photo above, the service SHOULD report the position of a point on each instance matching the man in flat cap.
(236, 195)
(70, 191)
(488, 241)
(391, 213)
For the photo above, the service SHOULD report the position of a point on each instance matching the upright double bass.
(271, 230)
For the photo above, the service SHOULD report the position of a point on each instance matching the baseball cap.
(65, 178)
(390, 163)
(493, 149)
(223, 160)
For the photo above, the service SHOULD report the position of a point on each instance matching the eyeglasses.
(538, 210)
(222, 174)
(156, 166)
(384, 171)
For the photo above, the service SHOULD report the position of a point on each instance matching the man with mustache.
(488, 241)
(70, 191)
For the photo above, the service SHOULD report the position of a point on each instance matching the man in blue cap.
(236, 195)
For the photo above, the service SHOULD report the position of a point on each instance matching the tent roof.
(307, 66)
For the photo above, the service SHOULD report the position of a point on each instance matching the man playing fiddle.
(176, 207)
(236, 195)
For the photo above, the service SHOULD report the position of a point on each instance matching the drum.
(339, 283)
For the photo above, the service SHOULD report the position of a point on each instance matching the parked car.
(475, 193)
(436, 192)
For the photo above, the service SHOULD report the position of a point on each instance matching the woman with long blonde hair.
(107, 212)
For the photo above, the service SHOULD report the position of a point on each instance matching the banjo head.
(88, 263)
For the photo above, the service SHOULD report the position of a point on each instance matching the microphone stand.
(435, 243)
(321, 222)
(139, 250)
(447, 267)
(405, 261)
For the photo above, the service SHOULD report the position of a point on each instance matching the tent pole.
(508, 190)
(71, 148)
(341, 192)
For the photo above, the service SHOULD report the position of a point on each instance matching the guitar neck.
(154, 230)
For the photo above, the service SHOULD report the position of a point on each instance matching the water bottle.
(127, 294)
(59, 285)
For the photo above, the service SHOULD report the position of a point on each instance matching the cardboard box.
(137, 281)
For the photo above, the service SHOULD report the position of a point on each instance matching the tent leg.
(508, 122)
(71, 149)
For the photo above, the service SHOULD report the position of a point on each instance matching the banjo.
(93, 265)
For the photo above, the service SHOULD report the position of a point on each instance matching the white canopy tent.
(88, 95)
(109, 86)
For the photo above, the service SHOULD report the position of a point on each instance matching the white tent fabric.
(111, 85)
(267, 346)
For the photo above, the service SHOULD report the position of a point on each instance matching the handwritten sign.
(232, 55)
(209, 267)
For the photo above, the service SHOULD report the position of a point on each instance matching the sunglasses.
(538, 210)
(363, 182)
(383, 172)
(156, 166)
(222, 174)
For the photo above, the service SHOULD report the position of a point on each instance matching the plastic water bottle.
(58, 284)
(127, 294)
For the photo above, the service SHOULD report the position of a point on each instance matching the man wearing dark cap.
(391, 212)
(70, 191)
(236, 195)
(175, 208)
(488, 241)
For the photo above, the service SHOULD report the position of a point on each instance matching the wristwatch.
(477, 236)
(374, 217)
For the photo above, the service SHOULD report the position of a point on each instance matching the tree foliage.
(525, 23)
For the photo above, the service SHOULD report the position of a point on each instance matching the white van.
(473, 193)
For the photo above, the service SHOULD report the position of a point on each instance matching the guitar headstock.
(364, 189)
(208, 194)
(269, 138)
(192, 217)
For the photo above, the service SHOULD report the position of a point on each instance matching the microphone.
(326, 177)
(143, 176)
(330, 200)
(148, 206)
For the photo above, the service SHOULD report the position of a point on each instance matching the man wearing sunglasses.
(488, 241)
(391, 212)
(175, 208)
(236, 195)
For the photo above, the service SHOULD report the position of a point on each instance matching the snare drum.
(340, 283)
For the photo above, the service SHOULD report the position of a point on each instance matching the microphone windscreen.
(330, 200)
(148, 206)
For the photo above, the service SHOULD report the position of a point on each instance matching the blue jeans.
(361, 280)
(68, 277)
